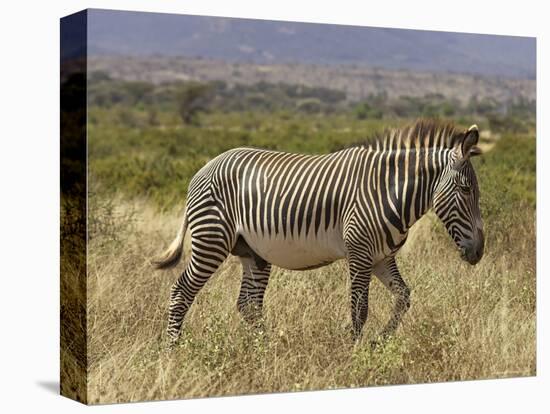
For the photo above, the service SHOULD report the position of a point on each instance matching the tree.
(192, 98)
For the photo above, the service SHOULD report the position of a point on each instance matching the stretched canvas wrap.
(264, 206)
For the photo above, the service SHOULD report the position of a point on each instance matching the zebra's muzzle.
(469, 255)
(472, 252)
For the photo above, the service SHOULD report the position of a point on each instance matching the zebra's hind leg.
(207, 253)
(253, 286)
(388, 273)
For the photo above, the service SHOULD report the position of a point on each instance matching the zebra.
(300, 212)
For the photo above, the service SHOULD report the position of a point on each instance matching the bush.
(366, 111)
(309, 105)
(105, 223)
(192, 99)
(507, 176)
(507, 124)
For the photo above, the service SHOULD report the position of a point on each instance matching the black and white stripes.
(302, 211)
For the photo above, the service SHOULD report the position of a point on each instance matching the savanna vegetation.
(465, 322)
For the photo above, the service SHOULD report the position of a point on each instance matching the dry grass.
(465, 322)
(73, 333)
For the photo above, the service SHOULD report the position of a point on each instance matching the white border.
(29, 163)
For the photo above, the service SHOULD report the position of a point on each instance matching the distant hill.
(120, 33)
(358, 82)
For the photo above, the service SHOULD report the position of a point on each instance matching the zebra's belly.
(297, 253)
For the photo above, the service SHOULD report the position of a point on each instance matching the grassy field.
(464, 323)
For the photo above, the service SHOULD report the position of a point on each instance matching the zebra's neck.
(403, 180)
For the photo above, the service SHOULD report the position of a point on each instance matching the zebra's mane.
(424, 132)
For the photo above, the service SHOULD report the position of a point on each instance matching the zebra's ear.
(469, 142)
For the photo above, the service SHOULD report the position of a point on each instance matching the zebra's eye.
(464, 188)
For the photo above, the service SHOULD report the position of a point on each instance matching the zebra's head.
(456, 197)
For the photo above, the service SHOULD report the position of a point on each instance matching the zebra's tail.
(173, 254)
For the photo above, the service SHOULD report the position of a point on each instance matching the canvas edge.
(73, 207)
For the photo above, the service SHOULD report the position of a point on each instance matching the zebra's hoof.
(356, 338)
(170, 344)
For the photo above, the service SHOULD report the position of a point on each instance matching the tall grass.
(465, 322)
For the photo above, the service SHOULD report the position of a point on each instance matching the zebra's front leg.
(388, 273)
(360, 274)
(253, 286)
